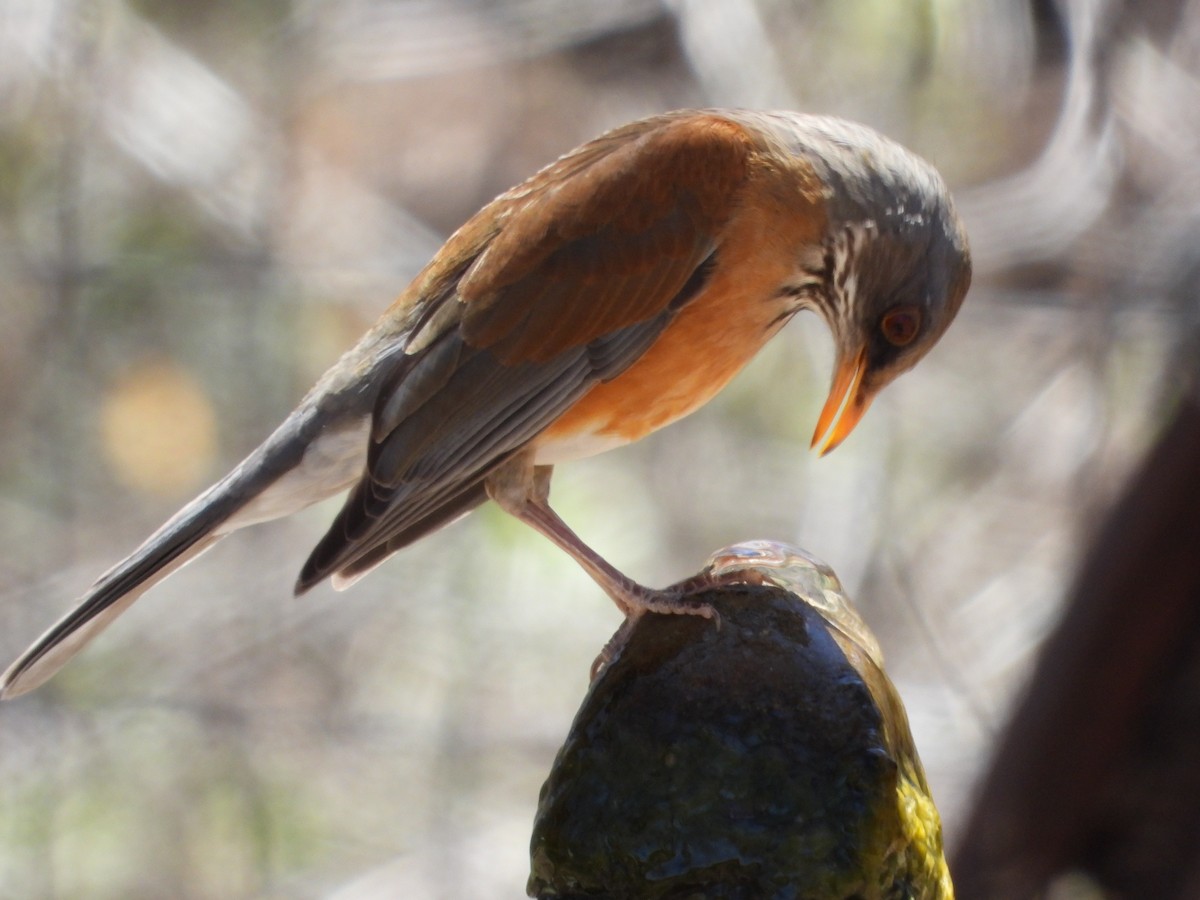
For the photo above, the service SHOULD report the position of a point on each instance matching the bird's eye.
(900, 325)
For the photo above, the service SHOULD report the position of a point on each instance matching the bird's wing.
(561, 283)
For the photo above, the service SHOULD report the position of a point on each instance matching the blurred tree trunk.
(1098, 769)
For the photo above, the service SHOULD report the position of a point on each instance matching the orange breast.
(710, 340)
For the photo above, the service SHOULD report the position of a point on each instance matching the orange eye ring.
(900, 325)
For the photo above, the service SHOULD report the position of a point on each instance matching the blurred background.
(202, 204)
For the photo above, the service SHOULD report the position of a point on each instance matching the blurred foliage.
(234, 190)
(158, 429)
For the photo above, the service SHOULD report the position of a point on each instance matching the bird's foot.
(676, 600)
(635, 601)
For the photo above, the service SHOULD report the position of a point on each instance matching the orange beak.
(846, 405)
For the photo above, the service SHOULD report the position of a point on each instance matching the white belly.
(578, 446)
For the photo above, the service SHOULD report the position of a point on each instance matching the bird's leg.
(523, 490)
(623, 590)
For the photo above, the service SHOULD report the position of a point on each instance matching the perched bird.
(613, 292)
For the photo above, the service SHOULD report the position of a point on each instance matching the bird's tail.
(110, 596)
(295, 467)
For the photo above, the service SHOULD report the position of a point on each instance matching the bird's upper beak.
(847, 403)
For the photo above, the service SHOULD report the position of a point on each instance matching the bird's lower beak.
(847, 402)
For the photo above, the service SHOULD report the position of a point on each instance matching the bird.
(611, 293)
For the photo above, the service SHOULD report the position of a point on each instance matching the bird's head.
(896, 268)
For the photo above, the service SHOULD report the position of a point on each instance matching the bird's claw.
(672, 601)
